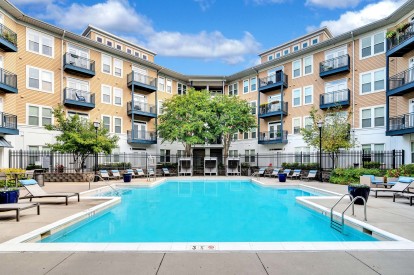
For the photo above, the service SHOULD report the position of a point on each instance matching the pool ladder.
(339, 226)
(106, 182)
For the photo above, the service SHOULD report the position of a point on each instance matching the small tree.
(335, 132)
(187, 119)
(232, 115)
(78, 137)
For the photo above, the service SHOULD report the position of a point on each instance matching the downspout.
(353, 83)
(61, 68)
(156, 108)
(258, 105)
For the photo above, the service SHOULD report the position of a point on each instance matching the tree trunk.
(187, 150)
(226, 147)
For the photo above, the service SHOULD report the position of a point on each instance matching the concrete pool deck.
(396, 218)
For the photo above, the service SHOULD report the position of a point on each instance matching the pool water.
(208, 211)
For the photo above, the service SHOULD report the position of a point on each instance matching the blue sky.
(209, 37)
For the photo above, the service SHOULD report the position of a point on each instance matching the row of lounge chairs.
(139, 172)
(295, 174)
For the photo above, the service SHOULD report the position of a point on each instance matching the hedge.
(351, 175)
(303, 166)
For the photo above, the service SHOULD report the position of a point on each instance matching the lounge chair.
(116, 174)
(35, 191)
(371, 180)
(140, 172)
(268, 172)
(405, 195)
(397, 188)
(311, 175)
(167, 172)
(286, 171)
(130, 171)
(296, 174)
(18, 207)
(258, 173)
(274, 173)
(401, 179)
(150, 172)
(105, 175)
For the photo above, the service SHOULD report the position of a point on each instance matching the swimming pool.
(208, 211)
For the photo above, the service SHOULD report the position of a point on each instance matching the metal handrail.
(141, 106)
(336, 96)
(8, 34)
(135, 76)
(79, 61)
(401, 78)
(334, 63)
(332, 208)
(8, 78)
(400, 37)
(105, 181)
(353, 209)
(278, 76)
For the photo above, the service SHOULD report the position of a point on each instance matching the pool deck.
(396, 218)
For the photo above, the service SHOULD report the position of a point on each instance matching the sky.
(208, 37)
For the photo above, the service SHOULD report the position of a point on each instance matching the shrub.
(115, 166)
(303, 166)
(351, 175)
(169, 165)
(372, 165)
(32, 167)
(403, 170)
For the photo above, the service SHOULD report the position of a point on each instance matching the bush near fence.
(114, 166)
(351, 175)
(303, 166)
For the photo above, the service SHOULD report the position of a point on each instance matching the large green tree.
(187, 119)
(78, 137)
(335, 131)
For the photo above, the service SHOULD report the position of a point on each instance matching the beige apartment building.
(105, 78)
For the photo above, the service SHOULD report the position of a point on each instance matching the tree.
(78, 137)
(187, 119)
(232, 115)
(335, 131)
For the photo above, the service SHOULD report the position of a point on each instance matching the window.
(106, 64)
(296, 70)
(245, 86)
(307, 122)
(99, 39)
(308, 95)
(286, 51)
(253, 132)
(144, 56)
(373, 117)
(233, 89)
(233, 153)
(117, 125)
(372, 45)
(278, 55)
(315, 41)
(82, 116)
(305, 44)
(136, 54)
(296, 125)
(39, 116)
(235, 137)
(246, 135)
(39, 43)
(308, 65)
(250, 155)
(40, 80)
(169, 86)
(119, 47)
(253, 84)
(109, 43)
(253, 104)
(270, 57)
(297, 99)
(372, 82)
(106, 121)
(165, 155)
(302, 154)
(160, 107)
(295, 48)
(181, 89)
(118, 96)
(118, 64)
(129, 51)
(106, 94)
(161, 84)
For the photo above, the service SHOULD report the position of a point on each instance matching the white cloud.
(30, 2)
(355, 19)
(205, 4)
(333, 3)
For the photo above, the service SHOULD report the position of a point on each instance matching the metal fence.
(57, 162)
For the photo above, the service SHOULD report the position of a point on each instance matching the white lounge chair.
(296, 174)
(105, 175)
(18, 207)
(167, 172)
(259, 173)
(130, 171)
(274, 173)
(140, 172)
(397, 188)
(35, 191)
(311, 175)
(116, 174)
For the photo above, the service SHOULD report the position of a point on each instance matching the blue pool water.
(208, 211)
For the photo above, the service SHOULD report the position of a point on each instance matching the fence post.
(402, 157)
(146, 161)
(393, 159)
(52, 162)
(257, 159)
(21, 159)
(10, 154)
(301, 158)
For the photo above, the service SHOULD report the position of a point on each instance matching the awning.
(5, 143)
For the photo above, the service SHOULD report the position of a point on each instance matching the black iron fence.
(57, 162)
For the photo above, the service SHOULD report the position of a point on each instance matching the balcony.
(8, 124)
(400, 125)
(8, 39)
(273, 109)
(142, 137)
(78, 65)
(401, 83)
(334, 99)
(142, 82)
(334, 66)
(273, 137)
(402, 43)
(78, 99)
(273, 82)
(8, 82)
(141, 109)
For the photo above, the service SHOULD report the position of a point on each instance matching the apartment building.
(105, 78)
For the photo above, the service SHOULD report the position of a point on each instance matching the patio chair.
(401, 179)
(140, 172)
(311, 175)
(274, 173)
(130, 171)
(409, 196)
(105, 175)
(150, 172)
(268, 172)
(116, 174)
(286, 171)
(35, 191)
(167, 172)
(397, 188)
(80, 97)
(258, 173)
(371, 180)
(296, 174)
(18, 207)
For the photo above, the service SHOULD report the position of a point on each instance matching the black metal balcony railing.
(141, 107)
(142, 135)
(278, 77)
(273, 136)
(8, 121)
(8, 34)
(79, 61)
(78, 95)
(334, 97)
(144, 79)
(273, 107)
(401, 79)
(400, 37)
(334, 63)
(401, 122)
(8, 78)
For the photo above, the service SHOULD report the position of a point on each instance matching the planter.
(356, 191)
(9, 196)
(282, 177)
(127, 177)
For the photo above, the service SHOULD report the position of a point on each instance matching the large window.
(39, 79)
(233, 153)
(308, 95)
(39, 116)
(373, 117)
(181, 89)
(165, 155)
(372, 45)
(169, 86)
(372, 82)
(253, 84)
(106, 94)
(118, 64)
(308, 65)
(106, 64)
(253, 133)
(253, 104)
(118, 96)
(39, 43)
(233, 89)
(250, 155)
(270, 57)
(297, 99)
(286, 51)
(117, 125)
(161, 84)
(296, 125)
(296, 68)
(106, 120)
(307, 122)
(245, 86)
